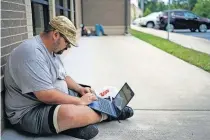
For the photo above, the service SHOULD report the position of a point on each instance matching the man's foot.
(87, 132)
(127, 112)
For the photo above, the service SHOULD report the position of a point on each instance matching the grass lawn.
(193, 57)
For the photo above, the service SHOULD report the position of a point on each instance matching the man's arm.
(73, 85)
(54, 96)
(76, 87)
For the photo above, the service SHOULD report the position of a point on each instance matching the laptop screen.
(123, 97)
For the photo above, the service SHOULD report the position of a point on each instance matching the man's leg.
(42, 120)
(74, 116)
(76, 121)
(102, 30)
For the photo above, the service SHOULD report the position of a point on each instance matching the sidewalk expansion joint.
(172, 109)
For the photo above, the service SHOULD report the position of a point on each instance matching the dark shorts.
(39, 120)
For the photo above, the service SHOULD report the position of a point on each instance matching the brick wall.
(16, 26)
(13, 32)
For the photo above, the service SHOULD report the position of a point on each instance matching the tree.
(161, 6)
(154, 6)
(183, 4)
(147, 12)
(180, 4)
(202, 8)
(192, 3)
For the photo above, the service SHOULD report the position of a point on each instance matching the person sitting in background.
(99, 30)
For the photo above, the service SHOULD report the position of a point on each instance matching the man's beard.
(59, 52)
(56, 46)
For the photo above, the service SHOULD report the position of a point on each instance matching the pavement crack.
(172, 109)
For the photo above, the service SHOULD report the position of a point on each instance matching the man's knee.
(67, 111)
(74, 113)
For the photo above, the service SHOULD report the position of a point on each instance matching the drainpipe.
(169, 16)
(126, 16)
(142, 7)
(82, 14)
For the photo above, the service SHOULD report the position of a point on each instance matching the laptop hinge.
(116, 111)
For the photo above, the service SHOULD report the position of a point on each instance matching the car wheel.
(170, 28)
(192, 30)
(202, 28)
(150, 25)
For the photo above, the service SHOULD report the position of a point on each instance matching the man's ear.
(55, 35)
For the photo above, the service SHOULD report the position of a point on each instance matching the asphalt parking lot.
(196, 34)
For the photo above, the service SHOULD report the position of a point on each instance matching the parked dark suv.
(183, 19)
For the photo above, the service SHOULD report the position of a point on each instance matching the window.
(75, 23)
(166, 13)
(189, 15)
(63, 8)
(40, 15)
(179, 13)
(69, 7)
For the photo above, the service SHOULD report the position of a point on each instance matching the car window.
(179, 13)
(172, 14)
(189, 15)
(166, 13)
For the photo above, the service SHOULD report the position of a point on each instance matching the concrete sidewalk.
(172, 97)
(195, 43)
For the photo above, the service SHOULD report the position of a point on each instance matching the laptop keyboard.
(104, 105)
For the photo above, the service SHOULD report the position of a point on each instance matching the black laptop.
(114, 107)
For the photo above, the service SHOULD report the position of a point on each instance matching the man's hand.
(85, 90)
(88, 98)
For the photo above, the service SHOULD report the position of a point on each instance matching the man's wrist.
(79, 89)
(78, 101)
(81, 102)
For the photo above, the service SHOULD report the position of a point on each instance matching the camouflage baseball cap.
(63, 25)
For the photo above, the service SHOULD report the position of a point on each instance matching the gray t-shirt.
(30, 68)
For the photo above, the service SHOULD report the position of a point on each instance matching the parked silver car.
(149, 21)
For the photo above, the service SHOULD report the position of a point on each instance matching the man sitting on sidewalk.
(38, 99)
